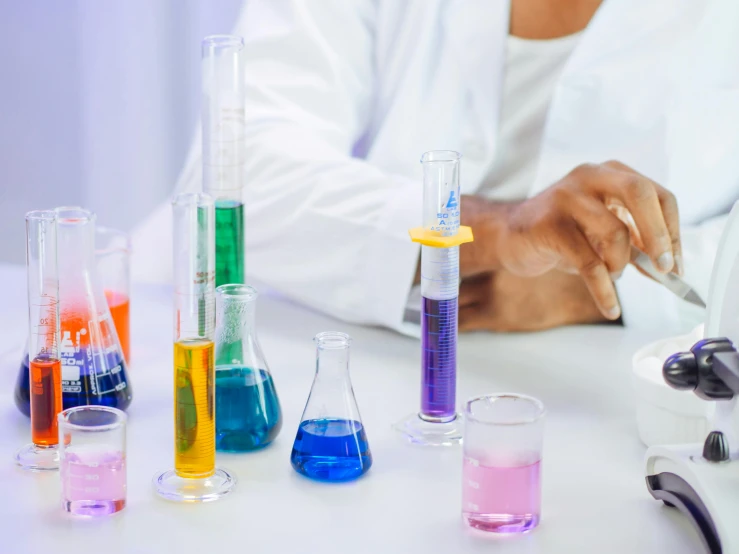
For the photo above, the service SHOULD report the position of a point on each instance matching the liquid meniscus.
(248, 412)
(331, 450)
(194, 408)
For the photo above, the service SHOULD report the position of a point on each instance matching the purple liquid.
(501, 499)
(438, 359)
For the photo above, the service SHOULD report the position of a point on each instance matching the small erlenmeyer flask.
(248, 414)
(331, 444)
(93, 368)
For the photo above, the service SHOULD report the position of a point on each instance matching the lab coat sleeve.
(322, 227)
(648, 305)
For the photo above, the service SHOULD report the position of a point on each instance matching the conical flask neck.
(331, 396)
(236, 335)
(332, 359)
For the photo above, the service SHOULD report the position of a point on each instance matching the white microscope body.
(702, 480)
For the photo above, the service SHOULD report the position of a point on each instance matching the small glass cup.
(501, 476)
(92, 444)
(113, 259)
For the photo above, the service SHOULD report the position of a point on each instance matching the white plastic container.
(665, 415)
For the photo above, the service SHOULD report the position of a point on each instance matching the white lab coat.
(343, 96)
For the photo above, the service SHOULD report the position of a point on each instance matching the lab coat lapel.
(617, 24)
(476, 31)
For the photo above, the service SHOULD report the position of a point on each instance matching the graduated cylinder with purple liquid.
(438, 359)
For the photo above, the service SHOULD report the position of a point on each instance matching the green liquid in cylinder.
(229, 242)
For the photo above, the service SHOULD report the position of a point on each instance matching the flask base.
(417, 430)
(33, 457)
(171, 486)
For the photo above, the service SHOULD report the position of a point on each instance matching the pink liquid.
(93, 481)
(501, 499)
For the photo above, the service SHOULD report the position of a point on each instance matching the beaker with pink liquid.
(92, 444)
(501, 476)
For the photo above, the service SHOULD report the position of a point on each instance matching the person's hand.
(503, 302)
(573, 226)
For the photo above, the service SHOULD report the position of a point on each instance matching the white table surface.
(594, 495)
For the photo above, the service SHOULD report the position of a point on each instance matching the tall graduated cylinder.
(43, 342)
(223, 149)
(439, 287)
(194, 329)
(195, 477)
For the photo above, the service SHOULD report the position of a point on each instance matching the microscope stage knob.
(681, 371)
(716, 447)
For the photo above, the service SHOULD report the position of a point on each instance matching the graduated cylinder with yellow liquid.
(195, 477)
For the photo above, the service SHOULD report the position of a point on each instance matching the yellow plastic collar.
(430, 238)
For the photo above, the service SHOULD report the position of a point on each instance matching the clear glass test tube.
(195, 477)
(224, 149)
(113, 257)
(93, 460)
(45, 375)
(501, 476)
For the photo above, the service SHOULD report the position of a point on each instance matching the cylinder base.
(38, 458)
(418, 430)
(171, 486)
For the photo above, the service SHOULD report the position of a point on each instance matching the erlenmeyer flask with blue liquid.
(93, 368)
(248, 414)
(331, 444)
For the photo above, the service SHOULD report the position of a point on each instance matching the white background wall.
(99, 100)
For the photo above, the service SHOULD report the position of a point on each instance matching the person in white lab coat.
(343, 96)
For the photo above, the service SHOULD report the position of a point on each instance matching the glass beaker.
(331, 443)
(93, 367)
(43, 339)
(92, 443)
(248, 414)
(501, 475)
(113, 257)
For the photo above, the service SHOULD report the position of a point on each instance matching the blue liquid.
(331, 450)
(248, 412)
(108, 387)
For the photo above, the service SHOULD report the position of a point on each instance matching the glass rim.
(237, 291)
(221, 41)
(41, 215)
(440, 156)
(332, 340)
(540, 409)
(74, 215)
(63, 418)
(199, 199)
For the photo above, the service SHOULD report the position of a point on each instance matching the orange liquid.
(119, 308)
(46, 401)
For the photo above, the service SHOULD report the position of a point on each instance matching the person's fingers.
(606, 233)
(474, 290)
(578, 252)
(639, 195)
(672, 218)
